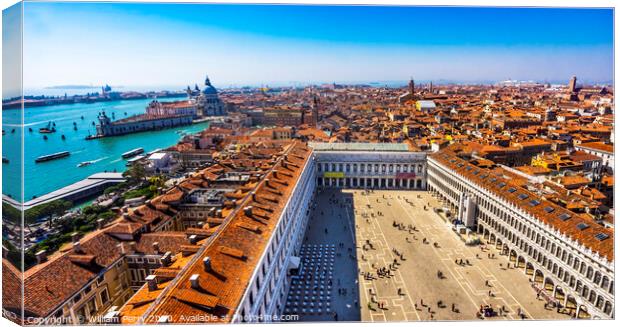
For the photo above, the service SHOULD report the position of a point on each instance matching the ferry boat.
(132, 153)
(84, 163)
(134, 160)
(52, 156)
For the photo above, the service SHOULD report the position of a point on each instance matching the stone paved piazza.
(347, 217)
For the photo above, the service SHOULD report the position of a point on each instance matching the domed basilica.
(208, 102)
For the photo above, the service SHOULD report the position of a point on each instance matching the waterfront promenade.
(91, 186)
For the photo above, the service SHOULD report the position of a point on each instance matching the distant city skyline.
(150, 45)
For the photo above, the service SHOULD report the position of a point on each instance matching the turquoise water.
(42, 178)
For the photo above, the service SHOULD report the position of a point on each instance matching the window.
(564, 216)
(582, 226)
(502, 184)
(523, 196)
(601, 236)
(512, 190)
(104, 296)
(549, 209)
(534, 203)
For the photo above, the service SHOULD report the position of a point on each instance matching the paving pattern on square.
(352, 220)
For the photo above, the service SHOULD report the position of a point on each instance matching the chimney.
(211, 212)
(200, 224)
(156, 247)
(123, 249)
(41, 257)
(100, 223)
(132, 247)
(219, 213)
(166, 259)
(207, 263)
(248, 211)
(267, 182)
(151, 281)
(254, 197)
(195, 281)
(193, 239)
(77, 247)
(75, 236)
(275, 174)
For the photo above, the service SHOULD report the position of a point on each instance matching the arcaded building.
(569, 256)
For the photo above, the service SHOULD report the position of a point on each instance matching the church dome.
(209, 89)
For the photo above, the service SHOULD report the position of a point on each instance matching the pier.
(88, 187)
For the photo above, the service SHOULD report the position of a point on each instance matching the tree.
(136, 173)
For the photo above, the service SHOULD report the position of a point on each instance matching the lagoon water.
(42, 178)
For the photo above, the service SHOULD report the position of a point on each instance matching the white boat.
(134, 159)
(85, 163)
(132, 153)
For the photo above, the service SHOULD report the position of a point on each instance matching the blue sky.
(177, 44)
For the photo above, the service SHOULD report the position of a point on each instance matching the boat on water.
(5, 160)
(85, 163)
(48, 129)
(134, 160)
(52, 156)
(132, 153)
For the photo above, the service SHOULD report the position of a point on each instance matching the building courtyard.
(386, 255)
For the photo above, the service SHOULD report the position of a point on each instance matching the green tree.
(136, 173)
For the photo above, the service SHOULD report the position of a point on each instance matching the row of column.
(387, 183)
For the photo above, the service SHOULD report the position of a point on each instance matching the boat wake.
(97, 160)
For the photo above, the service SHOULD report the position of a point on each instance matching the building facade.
(379, 166)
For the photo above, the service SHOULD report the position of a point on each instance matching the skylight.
(523, 196)
(582, 226)
(601, 236)
(549, 209)
(564, 216)
(534, 203)
(512, 190)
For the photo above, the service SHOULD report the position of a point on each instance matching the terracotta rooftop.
(234, 250)
(561, 219)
